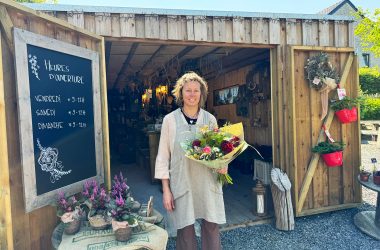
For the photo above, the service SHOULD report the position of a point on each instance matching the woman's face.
(191, 93)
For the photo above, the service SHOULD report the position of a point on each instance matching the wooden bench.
(369, 129)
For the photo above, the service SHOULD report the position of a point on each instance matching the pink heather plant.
(66, 204)
(96, 196)
(121, 202)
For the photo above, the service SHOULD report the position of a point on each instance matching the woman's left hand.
(223, 170)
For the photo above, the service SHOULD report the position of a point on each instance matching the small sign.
(373, 160)
(341, 93)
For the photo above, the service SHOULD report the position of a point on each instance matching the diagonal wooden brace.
(315, 157)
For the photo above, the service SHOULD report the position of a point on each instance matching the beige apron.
(196, 192)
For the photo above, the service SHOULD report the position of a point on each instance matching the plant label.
(341, 93)
(373, 160)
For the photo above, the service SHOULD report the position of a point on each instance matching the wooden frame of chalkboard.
(59, 111)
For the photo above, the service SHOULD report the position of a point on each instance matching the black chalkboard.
(61, 98)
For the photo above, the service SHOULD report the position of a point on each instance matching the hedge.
(369, 79)
(370, 108)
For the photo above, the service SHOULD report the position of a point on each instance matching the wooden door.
(316, 187)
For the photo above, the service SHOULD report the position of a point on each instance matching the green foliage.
(326, 147)
(370, 109)
(369, 79)
(368, 29)
(346, 103)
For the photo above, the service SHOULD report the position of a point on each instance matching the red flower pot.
(376, 177)
(347, 115)
(334, 159)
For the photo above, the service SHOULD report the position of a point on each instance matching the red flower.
(235, 141)
(226, 147)
(196, 143)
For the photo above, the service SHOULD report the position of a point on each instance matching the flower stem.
(225, 179)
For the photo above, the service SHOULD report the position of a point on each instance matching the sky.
(274, 6)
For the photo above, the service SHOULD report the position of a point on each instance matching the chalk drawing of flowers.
(48, 160)
(33, 65)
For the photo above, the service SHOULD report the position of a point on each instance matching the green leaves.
(346, 103)
(368, 29)
(326, 147)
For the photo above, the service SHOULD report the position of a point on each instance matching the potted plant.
(376, 175)
(346, 109)
(364, 174)
(332, 153)
(120, 208)
(70, 213)
(96, 199)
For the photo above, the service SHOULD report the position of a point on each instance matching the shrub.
(369, 79)
(370, 108)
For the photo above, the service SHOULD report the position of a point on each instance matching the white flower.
(316, 81)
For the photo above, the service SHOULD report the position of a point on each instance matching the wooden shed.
(231, 48)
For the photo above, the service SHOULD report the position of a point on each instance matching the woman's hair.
(188, 77)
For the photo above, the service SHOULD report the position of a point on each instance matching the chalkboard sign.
(59, 115)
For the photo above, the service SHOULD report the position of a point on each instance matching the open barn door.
(318, 188)
(56, 137)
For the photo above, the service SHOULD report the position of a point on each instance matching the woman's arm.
(167, 196)
(163, 155)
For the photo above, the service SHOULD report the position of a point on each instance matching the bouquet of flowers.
(217, 147)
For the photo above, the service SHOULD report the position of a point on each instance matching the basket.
(72, 227)
(98, 222)
(123, 234)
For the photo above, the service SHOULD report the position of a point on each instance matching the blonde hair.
(188, 77)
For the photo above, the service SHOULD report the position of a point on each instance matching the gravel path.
(333, 230)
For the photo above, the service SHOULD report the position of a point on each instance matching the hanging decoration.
(322, 76)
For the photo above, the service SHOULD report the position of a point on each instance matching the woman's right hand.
(168, 200)
(167, 196)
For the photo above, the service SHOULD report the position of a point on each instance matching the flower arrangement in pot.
(332, 153)
(96, 199)
(70, 212)
(364, 174)
(120, 208)
(346, 109)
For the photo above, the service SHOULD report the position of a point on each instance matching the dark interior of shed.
(140, 77)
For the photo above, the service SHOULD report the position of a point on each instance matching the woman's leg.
(210, 236)
(186, 238)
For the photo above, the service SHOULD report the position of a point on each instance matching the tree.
(368, 29)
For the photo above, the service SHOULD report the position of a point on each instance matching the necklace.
(191, 116)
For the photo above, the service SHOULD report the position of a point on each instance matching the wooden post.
(282, 200)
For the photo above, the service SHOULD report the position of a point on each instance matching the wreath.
(318, 71)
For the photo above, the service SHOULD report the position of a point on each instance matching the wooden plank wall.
(253, 135)
(32, 230)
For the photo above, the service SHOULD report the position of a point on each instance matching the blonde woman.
(190, 190)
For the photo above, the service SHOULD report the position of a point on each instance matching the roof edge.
(181, 12)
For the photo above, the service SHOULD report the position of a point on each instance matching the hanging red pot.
(334, 159)
(347, 115)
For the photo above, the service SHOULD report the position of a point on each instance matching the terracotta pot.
(376, 177)
(334, 159)
(347, 115)
(364, 176)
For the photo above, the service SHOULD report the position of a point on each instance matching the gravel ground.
(333, 230)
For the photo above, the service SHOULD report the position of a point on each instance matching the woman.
(190, 190)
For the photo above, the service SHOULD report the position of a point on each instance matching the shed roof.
(180, 12)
